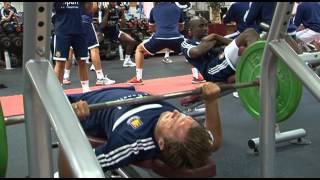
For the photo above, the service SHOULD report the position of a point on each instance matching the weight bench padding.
(163, 170)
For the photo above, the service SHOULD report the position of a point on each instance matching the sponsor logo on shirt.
(135, 122)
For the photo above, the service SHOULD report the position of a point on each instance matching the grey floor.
(234, 159)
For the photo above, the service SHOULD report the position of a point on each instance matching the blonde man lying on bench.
(158, 130)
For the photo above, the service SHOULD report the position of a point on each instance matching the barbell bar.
(149, 99)
(12, 120)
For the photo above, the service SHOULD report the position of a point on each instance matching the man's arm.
(152, 25)
(253, 13)
(298, 17)
(227, 18)
(181, 21)
(207, 43)
(210, 93)
(104, 23)
(122, 18)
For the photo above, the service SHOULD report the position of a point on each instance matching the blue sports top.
(128, 129)
(308, 13)
(68, 18)
(166, 16)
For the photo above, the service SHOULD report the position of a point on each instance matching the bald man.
(215, 67)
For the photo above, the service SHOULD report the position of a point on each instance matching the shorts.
(153, 45)
(231, 52)
(91, 36)
(308, 35)
(63, 42)
(112, 33)
(218, 70)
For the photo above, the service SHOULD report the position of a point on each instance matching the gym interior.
(269, 130)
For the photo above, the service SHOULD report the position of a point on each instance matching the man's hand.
(209, 37)
(81, 108)
(210, 91)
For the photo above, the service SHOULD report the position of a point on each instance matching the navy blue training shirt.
(129, 130)
(308, 14)
(68, 18)
(166, 16)
(86, 16)
(236, 13)
(260, 12)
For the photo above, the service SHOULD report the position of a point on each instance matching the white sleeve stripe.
(119, 149)
(123, 157)
(188, 46)
(129, 113)
(211, 140)
(130, 148)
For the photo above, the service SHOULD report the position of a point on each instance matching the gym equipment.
(7, 60)
(2, 86)
(289, 88)
(3, 146)
(296, 134)
(5, 41)
(146, 99)
(17, 42)
(149, 99)
(225, 89)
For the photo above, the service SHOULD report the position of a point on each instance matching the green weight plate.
(289, 88)
(3, 146)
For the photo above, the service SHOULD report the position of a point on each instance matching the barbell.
(289, 87)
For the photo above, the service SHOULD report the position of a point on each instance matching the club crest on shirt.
(135, 122)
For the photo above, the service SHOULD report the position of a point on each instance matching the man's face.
(175, 125)
(113, 4)
(6, 5)
(200, 29)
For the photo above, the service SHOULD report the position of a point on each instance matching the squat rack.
(278, 47)
(46, 106)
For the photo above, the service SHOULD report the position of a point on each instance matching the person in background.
(93, 47)
(307, 18)
(109, 28)
(69, 31)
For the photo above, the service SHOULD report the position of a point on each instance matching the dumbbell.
(17, 42)
(5, 41)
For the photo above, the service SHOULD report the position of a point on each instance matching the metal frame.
(45, 102)
(278, 47)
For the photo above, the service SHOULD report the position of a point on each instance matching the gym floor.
(234, 159)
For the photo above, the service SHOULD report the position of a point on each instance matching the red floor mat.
(13, 105)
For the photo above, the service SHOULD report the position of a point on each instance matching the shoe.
(104, 81)
(235, 94)
(128, 63)
(56, 175)
(200, 79)
(66, 81)
(135, 81)
(92, 68)
(167, 60)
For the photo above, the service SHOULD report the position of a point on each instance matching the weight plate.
(289, 87)
(3, 146)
